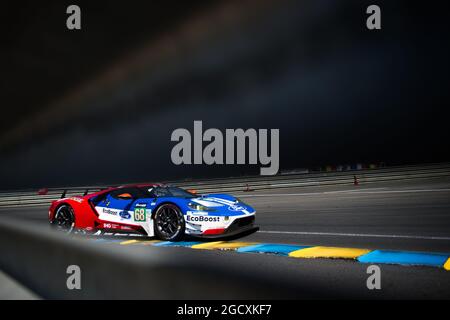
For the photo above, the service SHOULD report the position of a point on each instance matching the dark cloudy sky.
(98, 105)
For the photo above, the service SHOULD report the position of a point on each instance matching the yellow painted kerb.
(329, 252)
(129, 242)
(447, 264)
(148, 242)
(222, 245)
(206, 245)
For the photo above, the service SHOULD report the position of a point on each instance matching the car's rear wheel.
(64, 219)
(169, 222)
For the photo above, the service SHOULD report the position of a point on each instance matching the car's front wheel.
(169, 222)
(64, 219)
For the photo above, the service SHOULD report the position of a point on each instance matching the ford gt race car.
(166, 212)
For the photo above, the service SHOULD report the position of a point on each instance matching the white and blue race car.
(166, 212)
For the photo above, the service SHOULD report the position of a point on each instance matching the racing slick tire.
(169, 222)
(64, 219)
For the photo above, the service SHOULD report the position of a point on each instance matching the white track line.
(402, 191)
(361, 191)
(357, 235)
(18, 206)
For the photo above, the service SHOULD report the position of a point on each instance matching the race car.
(166, 212)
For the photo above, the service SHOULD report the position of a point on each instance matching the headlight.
(199, 207)
(240, 201)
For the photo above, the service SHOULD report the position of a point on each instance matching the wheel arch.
(59, 205)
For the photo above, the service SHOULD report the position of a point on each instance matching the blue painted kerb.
(405, 258)
(281, 249)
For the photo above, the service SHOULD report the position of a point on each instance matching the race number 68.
(140, 214)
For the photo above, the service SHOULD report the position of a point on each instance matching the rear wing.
(75, 191)
(64, 193)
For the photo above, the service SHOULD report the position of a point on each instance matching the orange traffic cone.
(355, 180)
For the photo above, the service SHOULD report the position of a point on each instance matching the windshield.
(167, 192)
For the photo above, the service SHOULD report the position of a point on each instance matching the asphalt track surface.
(412, 215)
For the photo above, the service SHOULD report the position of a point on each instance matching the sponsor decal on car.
(125, 215)
(109, 211)
(79, 200)
(126, 228)
(197, 213)
(202, 218)
(110, 226)
(236, 207)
